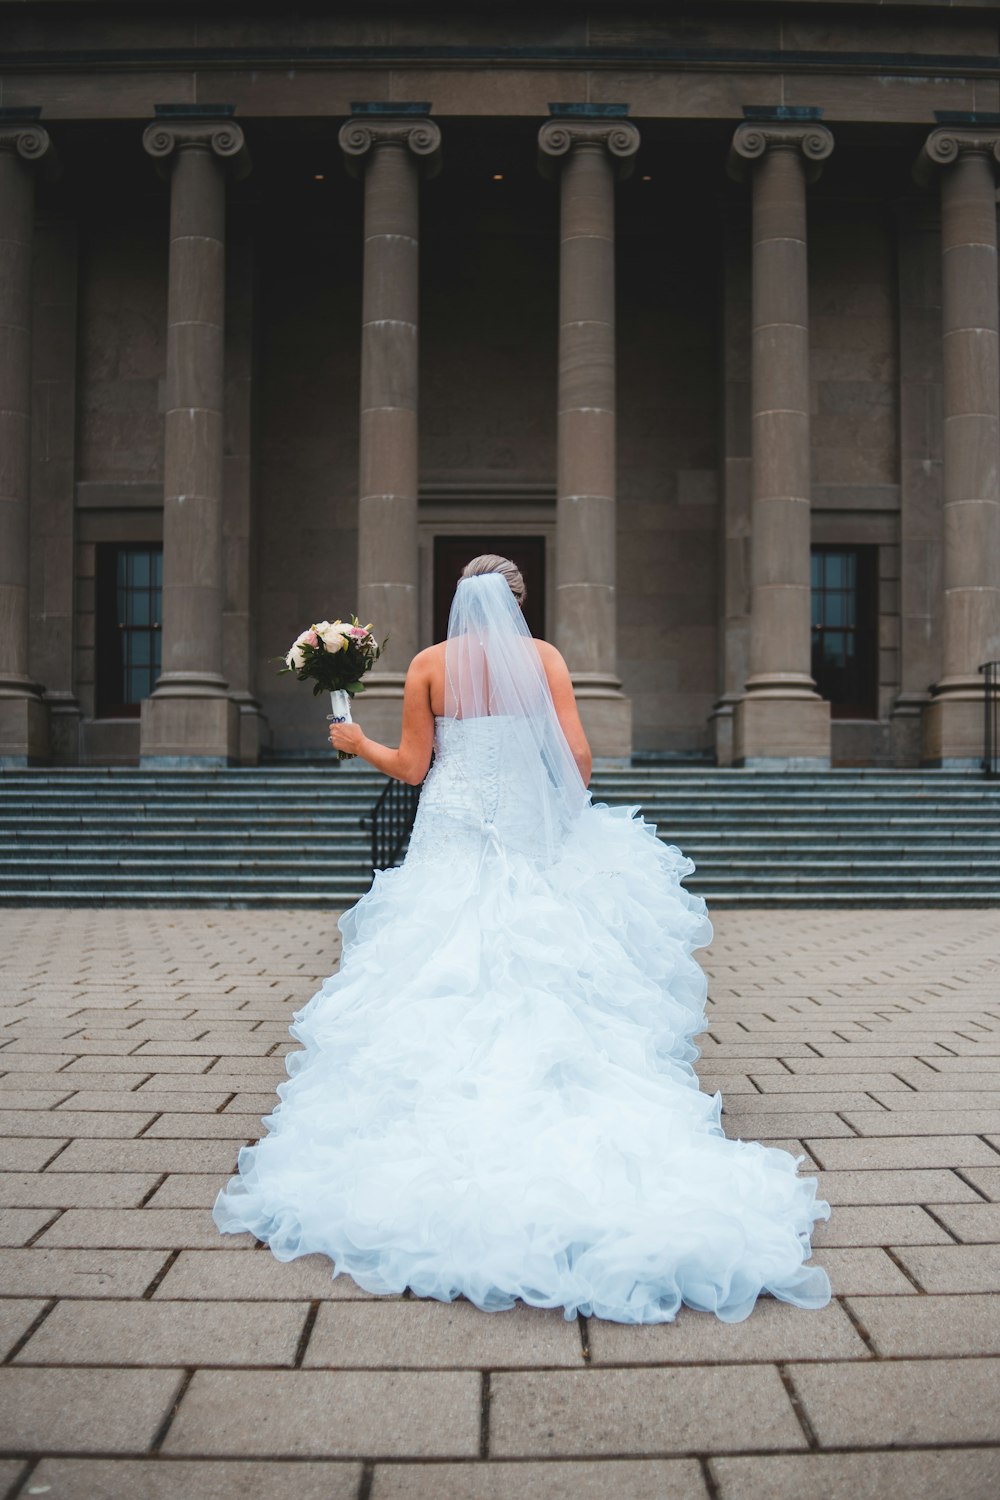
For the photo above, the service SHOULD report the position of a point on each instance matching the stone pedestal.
(24, 736)
(190, 717)
(587, 156)
(781, 719)
(965, 160)
(389, 152)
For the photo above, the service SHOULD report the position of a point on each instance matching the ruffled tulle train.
(495, 1098)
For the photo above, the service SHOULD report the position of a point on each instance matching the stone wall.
(488, 322)
(489, 297)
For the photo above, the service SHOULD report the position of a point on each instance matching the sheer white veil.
(514, 751)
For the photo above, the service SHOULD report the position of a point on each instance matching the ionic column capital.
(753, 139)
(948, 144)
(360, 137)
(163, 139)
(32, 143)
(557, 138)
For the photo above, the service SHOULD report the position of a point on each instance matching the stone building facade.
(690, 308)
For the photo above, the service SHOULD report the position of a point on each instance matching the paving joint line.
(859, 1326)
(708, 1477)
(29, 1332)
(798, 1406)
(32, 1239)
(171, 1259)
(306, 1334)
(942, 1225)
(150, 1191)
(19, 1485)
(903, 1268)
(160, 1436)
(959, 1172)
(484, 1415)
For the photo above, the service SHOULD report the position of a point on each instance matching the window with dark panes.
(845, 629)
(129, 594)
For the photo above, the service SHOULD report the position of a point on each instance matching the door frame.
(478, 509)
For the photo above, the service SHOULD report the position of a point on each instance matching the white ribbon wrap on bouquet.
(340, 707)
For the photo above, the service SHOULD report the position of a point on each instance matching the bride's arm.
(409, 763)
(564, 702)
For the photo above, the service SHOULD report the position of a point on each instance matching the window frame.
(111, 662)
(864, 676)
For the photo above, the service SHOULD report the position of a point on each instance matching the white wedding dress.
(494, 1096)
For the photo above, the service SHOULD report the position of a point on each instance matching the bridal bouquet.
(335, 655)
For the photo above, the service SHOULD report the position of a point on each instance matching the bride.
(494, 1097)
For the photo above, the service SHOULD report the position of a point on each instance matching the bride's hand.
(346, 737)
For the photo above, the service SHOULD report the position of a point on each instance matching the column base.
(772, 733)
(181, 732)
(24, 731)
(721, 719)
(251, 731)
(606, 715)
(952, 732)
(905, 732)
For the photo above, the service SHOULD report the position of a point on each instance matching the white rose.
(335, 636)
(296, 658)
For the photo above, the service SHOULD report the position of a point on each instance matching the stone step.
(654, 797)
(237, 784)
(292, 835)
(309, 845)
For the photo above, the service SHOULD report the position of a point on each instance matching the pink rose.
(359, 632)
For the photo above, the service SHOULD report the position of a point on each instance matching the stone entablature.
(856, 62)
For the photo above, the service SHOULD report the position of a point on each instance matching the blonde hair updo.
(492, 562)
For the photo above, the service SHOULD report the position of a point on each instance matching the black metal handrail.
(390, 821)
(991, 718)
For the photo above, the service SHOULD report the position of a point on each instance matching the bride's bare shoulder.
(427, 664)
(428, 656)
(550, 654)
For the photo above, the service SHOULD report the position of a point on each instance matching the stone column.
(735, 467)
(781, 721)
(190, 717)
(388, 153)
(239, 488)
(966, 161)
(921, 582)
(588, 155)
(52, 630)
(24, 738)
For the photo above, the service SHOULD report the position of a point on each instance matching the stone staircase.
(291, 835)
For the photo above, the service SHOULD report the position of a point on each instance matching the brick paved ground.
(146, 1356)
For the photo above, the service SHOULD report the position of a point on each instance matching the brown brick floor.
(146, 1356)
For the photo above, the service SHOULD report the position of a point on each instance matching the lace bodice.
(472, 794)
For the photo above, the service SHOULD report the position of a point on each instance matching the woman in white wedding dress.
(495, 1095)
